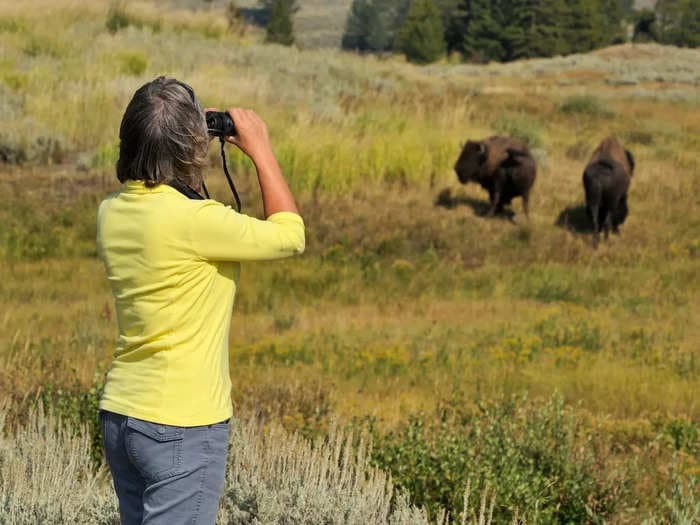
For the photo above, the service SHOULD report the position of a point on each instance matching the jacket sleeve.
(218, 233)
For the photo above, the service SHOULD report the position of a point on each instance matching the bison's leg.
(594, 197)
(493, 202)
(620, 214)
(607, 223)
(496, 193)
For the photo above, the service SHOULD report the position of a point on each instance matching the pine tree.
(612, 14)
(356, 26)
(678, 22)
(548, 35)
(579, 27)
(477, 33)
(371, 25)
(517, 21)
(280, 28)
(456, 28)
(380, 26)
(690, 24)
(512, 29)
(421, 37)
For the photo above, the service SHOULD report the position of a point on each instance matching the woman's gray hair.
(163, 136)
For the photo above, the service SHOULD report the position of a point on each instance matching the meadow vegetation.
(507, 356)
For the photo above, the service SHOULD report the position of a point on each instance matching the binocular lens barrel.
(220, 124)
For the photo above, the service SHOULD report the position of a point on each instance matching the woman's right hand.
(253, 139)
(251, 134)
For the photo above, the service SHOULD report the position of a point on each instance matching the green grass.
(586, 105)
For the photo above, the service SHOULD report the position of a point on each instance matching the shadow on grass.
(445, 199)
(575, 219)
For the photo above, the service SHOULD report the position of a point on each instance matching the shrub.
(534, 454)
(547, 285)
(11, 25)
(303, 406)
(78, 408)
(117, 17)
(41, 149)
(105, 156)
(521, 126)
(133, 63)
(280, 28)
(683, 434)
(33, 231)
(29, 235)
(585, 105)
(682, 505)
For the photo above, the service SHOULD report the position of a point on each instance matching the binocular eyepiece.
(220, 124)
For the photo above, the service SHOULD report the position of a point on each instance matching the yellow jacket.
(173, 264)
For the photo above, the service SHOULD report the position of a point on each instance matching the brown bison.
(502, 166)
(606, 181)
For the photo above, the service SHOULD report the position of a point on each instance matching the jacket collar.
(138, 187)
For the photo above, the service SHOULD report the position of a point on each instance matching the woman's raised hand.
(251, 134)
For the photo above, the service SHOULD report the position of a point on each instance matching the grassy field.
(508, 354)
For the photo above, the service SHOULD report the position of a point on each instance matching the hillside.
(500, 352)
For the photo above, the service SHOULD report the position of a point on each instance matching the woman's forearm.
(253, 139)
(275, 192)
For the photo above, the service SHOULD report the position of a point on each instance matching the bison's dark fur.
(502, 166)
(606, 181)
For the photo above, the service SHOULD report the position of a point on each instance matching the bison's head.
(470, 161)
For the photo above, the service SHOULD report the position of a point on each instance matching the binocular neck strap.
(190, 193)
(228, 177)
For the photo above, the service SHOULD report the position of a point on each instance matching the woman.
(173, 263)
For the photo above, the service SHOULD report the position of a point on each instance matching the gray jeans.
(165, 474)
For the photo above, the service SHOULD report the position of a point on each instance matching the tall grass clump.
(47, 476)
(117, 17)
(585, 105)
(275, 477)
(521, 126)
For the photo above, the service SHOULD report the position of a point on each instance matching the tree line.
(498, 30)
(503, 30)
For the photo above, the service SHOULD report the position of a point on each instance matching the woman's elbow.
(298, 242)
(290, 241)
